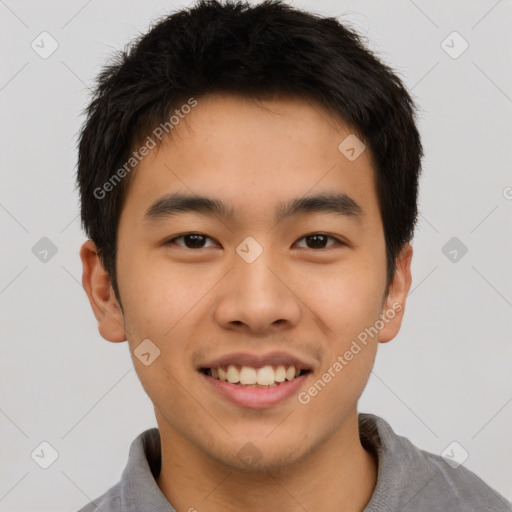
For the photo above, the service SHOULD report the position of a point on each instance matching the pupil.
(317, 237)
(197, 241)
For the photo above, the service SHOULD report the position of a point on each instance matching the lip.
(260, 360)
(254, 397)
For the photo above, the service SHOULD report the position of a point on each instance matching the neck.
(339, 475)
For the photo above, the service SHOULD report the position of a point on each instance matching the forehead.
(253, 155)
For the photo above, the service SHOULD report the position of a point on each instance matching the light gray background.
(445, 378)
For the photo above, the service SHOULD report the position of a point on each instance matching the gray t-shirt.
(408, 480)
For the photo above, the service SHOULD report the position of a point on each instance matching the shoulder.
(411, 479)
(455, 488)
(137, 489)
(110, 501)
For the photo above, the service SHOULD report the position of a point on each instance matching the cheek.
(348, 302)
(337, 390)
(157, 295)
(155, 303)
(350, 309)
(347, 298)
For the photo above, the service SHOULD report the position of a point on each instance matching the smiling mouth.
(248, 376)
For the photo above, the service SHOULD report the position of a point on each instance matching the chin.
(260, 454)
(262, 462)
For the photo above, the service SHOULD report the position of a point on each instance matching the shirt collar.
(138, 487)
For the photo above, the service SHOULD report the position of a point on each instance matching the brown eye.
(191, 240)
(319, 241)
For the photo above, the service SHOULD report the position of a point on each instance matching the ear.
(394, 306)
(105, 306)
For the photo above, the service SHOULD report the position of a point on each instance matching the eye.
(191, 240)
(319, 240)
(197, 241)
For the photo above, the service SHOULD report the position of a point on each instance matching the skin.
(197, 304)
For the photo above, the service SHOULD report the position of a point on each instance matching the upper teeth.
(247, 375)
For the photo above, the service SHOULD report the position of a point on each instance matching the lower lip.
(257, 398)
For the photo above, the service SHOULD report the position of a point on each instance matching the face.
(256, 291)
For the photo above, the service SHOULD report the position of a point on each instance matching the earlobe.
(97, 285)
(393, 311)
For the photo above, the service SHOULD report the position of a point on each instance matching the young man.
(248, 177)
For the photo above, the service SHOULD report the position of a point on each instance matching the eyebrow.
(175, 203)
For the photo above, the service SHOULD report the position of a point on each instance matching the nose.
(258, 297)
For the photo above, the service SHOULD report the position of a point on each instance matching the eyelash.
(338, 242)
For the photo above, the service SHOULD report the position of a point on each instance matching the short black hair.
(256, 51)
